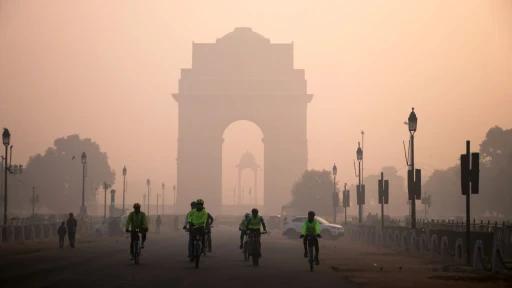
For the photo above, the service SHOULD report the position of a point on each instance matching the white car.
(292, 228)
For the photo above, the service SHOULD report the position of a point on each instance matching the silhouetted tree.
(57, 174)
(495, 169)
(313, 191)
(444, 187)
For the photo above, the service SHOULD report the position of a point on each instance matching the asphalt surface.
(164, 263)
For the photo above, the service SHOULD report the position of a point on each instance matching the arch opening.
(242, 166)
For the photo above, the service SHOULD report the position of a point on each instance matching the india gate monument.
(242, 76)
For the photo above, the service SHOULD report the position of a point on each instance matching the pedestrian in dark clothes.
(62, 231)
(72, 224)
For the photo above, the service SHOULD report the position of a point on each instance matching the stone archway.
(240, 77)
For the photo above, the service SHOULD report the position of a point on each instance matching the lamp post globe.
(334, 170)
(413, 121)
(84, 158)
(6, 137)
(124, 171)
(359, 152)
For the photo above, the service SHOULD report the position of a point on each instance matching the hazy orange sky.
(106, 70)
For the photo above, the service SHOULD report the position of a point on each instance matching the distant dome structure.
(248, 161)
(243, 34)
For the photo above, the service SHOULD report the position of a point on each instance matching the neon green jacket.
(312, 228)
(255, 222)
(137, 220)
(243, 225)
(198, 218)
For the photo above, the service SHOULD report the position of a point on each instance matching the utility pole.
(163, 190)
(148, 182)
(346, 201)
(33, 202)
(174, 189)
(360, 187)
(470, 174)
(413, 175)
(335, 196)
(383, 195)
(157, 197)
(124, 186)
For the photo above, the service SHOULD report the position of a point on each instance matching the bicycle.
(196, 248)
(254, 244)
(208, 242)
(311, 251)
(136, 246)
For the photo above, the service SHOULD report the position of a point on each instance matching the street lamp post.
(34, 200)
(360, 188)
(383, 196)
(112, 202)
(346, 201)
(149, 185)
(163, 190)
(124, 186)
(157, 198)
(335, 196)
(83, 209)
(6, 139)
(144, 203)
(105, 187)
(414, 190)
(426, 201)
(174, 189)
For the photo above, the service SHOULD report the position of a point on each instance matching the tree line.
(313, 191)
(57, 177)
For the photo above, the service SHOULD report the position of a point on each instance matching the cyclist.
(137, 220)
(208, 229)
(311, 227)
(190, 239)
(242, 229)
(197, 221)
(254, 223)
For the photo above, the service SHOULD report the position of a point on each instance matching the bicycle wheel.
(197, 252)
(136, 252)
(246, 251)
(311, 259)
(209, 241)
(255, 253)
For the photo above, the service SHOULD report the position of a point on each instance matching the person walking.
(72, 225)
(62, 231)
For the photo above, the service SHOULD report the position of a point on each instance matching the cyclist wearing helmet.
(208, 229)
(197, 222)
(137, 220)
(242, 227)
(192, 208)
(254, 223)
(311, 227)
(190, 239)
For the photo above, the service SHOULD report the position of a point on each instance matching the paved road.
(164, 264)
